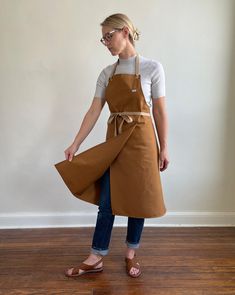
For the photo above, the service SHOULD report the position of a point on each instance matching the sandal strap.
(84, 266)
(132, 263)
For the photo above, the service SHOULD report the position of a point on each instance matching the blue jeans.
(105, 219)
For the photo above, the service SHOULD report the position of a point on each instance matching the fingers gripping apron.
(130, 150)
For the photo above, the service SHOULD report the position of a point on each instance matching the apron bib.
(130, 150)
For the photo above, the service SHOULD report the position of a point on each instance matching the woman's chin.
(113, 52)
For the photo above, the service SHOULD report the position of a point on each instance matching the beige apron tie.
(125, 117)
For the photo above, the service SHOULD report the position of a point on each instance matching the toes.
(69, 271)
(134, 270)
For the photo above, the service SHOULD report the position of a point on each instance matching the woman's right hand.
(70, 151)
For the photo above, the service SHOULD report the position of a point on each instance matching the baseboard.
(178, 219)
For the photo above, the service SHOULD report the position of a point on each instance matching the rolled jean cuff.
(132, 245)
(99, 252)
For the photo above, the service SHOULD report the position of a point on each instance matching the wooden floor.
(192, 261)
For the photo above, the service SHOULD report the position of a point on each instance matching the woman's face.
(116, 41)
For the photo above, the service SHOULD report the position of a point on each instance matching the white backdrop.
(51, 57)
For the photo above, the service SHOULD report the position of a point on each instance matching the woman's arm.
(88, 123)
(89, 120)
(161, 123)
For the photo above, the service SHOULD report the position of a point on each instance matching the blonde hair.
(118, 21)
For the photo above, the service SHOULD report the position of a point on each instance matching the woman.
(130, 159)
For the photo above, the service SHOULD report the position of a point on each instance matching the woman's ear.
(126, 31)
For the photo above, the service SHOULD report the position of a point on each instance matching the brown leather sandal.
(86, 269)
(132, 263)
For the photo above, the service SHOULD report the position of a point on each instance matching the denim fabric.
(105, 220)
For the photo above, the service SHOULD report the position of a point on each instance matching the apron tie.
(125, 118)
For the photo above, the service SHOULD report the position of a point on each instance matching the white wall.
(51, 57)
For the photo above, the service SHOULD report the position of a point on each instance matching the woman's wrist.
(76, 144)
(164, 147)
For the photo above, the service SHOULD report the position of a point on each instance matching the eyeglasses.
(108, 36)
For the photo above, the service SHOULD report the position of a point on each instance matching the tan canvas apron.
(130, 150)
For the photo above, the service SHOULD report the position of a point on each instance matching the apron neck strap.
(137, 66)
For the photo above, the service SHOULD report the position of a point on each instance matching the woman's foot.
(130, 253)
(92, 259)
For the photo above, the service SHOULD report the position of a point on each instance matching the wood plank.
(192, 261)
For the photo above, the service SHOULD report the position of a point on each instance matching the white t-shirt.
(151, 73)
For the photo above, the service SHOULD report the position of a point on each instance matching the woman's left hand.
(163, 159)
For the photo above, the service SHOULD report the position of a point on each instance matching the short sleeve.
(100, 85)
(158, 81)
